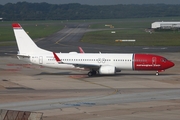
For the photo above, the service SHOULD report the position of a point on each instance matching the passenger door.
(153, 62)
(40, 60)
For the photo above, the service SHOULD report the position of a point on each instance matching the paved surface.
(72, 95)
(66, 94)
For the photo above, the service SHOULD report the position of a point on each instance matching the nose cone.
(170, 64)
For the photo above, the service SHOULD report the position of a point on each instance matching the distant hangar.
(165, 25)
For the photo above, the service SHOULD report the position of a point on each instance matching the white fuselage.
(96, 62)
(120, 61)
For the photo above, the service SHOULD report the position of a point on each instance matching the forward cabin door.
(153, 62)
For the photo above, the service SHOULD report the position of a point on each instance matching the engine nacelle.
(72, 52)
(108, 70)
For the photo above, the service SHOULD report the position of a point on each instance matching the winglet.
(81, 50)
(56, 57)
(16, 26)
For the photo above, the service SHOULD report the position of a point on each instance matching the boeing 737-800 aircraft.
(97, 63)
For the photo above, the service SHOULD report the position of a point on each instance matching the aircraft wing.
(88, 66)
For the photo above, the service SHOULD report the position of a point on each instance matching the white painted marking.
(163, 48)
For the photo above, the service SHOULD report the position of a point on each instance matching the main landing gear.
(92, 73)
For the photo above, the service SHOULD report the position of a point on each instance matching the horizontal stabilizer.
(24, 56)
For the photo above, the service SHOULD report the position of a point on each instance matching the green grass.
(36, 29)
(39, 31)
(122, 24)
(6, 33)
(171, 38)
(132, 29)
(125, 29)
(142, 38)
(130, 22)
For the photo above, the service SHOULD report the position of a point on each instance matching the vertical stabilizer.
(25, 44)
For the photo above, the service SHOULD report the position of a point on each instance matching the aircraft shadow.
(116, 75)
(60, 73)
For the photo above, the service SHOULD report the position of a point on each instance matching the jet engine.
(72, 52)
(108, 70)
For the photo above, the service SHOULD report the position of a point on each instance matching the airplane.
(96, 63)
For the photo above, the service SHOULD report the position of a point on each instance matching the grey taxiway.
(127, 95)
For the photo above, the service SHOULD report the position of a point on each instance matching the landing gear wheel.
(157, 73)
(92, 73)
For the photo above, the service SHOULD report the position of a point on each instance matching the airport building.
(165, 25)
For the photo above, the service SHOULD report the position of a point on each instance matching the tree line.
(75, 11)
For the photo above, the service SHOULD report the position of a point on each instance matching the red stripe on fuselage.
(151, 62)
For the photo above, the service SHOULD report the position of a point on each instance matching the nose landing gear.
(157, 73)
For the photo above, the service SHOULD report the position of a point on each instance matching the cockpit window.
(163, 59)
